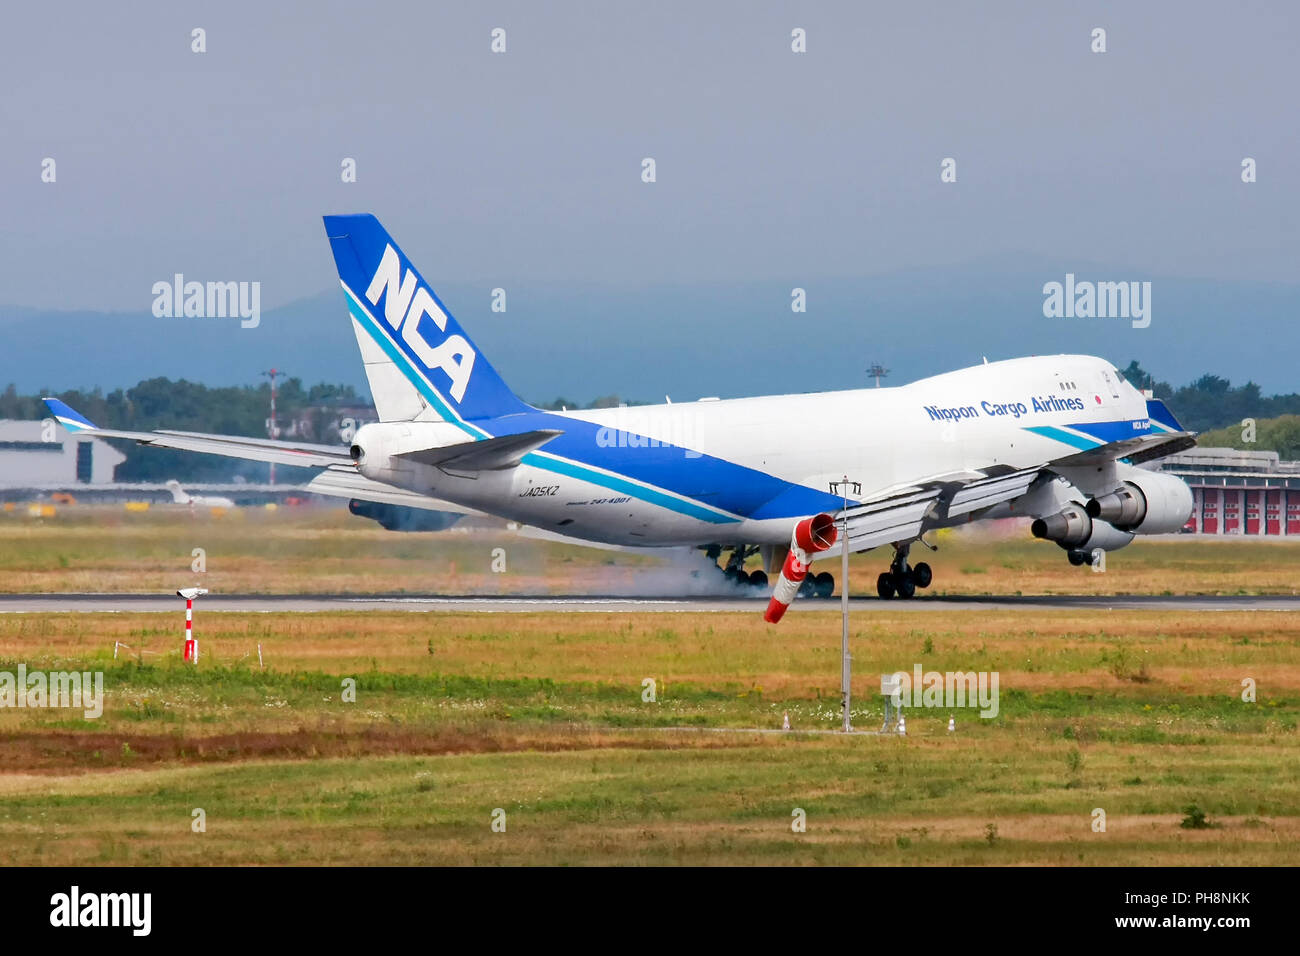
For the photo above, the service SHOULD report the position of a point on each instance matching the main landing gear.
(820, 585)
(902, 579)
(814, 585)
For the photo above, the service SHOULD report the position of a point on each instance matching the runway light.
(902, 725)
(952, 724)
(785, 721)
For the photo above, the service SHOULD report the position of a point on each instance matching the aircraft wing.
(251, 449)
(904, 515)
(1133, 450)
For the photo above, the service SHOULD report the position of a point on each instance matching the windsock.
(811, 535)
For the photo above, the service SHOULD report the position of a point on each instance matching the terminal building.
(41, 453)
(1239, 492)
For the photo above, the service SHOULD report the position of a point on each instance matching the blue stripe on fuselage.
(1107, 432)
(714, 482)
(1094, 434)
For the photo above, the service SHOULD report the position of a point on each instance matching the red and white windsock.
(811, 535)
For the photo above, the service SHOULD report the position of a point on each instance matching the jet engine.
(1148, 503)
(1076, 531)
(402, 518)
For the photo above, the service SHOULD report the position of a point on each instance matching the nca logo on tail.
(406, 303)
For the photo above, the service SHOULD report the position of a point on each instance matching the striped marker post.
(191, 645)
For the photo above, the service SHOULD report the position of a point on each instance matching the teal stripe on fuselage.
(653, 496)
(1057, 434)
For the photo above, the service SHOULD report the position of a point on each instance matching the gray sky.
(527, 165)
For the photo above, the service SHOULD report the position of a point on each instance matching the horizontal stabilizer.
(490, 454)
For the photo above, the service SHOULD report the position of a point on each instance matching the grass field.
(545, 717)
(326, 550)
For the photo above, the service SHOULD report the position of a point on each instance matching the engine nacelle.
(1075, 530)
(1148, 503)
(1069, 527)
(402, 518)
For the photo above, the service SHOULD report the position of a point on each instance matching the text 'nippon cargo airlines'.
(1055, 438)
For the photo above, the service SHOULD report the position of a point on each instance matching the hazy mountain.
(692, 340)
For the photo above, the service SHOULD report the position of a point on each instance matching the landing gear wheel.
(758, 579)
(733, 575)
(905, 584)
(1079, 558)
(824, 584)
(807, 587)
(922, 575)
(885, 585)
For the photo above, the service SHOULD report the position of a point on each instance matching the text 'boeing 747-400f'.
(1055, 438)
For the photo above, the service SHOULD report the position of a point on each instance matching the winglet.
(68, 417)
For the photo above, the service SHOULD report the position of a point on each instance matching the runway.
(300, 603)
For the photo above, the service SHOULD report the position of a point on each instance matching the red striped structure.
(191, 645)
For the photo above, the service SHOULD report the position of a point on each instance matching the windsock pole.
(846, 661)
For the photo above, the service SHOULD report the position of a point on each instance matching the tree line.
(1210, 402)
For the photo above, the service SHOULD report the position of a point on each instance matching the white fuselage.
(793, 445)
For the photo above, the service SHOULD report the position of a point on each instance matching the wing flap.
(343, 481)
(906, 516)
(989, 491)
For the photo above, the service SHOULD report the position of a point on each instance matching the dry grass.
(1116, 652)
(326, 550)
(1138, 713)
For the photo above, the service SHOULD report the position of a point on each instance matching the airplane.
(196, 501)
(1058, 439)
